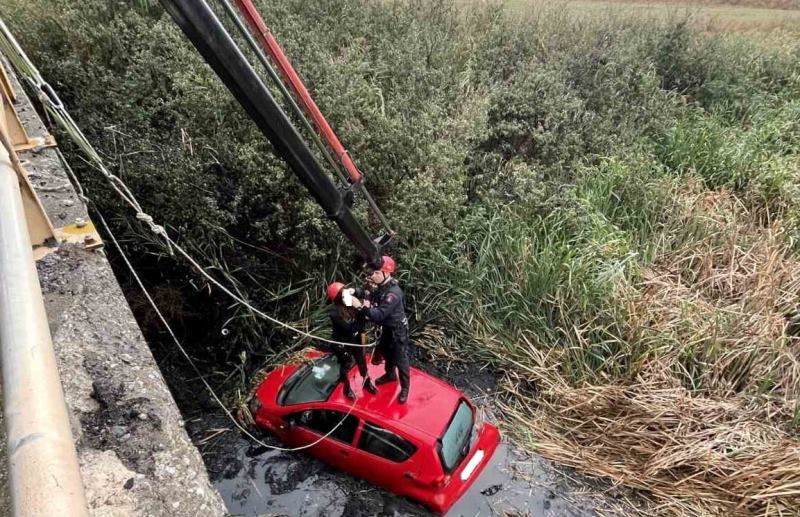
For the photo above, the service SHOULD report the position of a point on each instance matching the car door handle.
(344, 452)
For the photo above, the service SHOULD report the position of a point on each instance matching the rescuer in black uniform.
(347, 327)
(387, 310)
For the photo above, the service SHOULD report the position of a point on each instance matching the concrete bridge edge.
(135, 455)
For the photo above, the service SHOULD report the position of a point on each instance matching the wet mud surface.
(254, 480)
(127, 426)
(284, 483)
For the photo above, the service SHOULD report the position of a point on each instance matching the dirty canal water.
(257, 481)
(262, 482)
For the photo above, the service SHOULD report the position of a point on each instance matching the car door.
(309, 425)
(384, 458)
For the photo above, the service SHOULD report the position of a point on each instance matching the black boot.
(370, 387)
(348, 392)
(403, 398)
(385, 379)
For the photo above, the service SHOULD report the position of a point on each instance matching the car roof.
(431, 403)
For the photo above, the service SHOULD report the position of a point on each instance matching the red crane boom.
(271, 46)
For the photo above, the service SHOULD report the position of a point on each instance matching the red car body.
(430, 449)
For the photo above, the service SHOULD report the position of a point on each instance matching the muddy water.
(254, 480)
(276, 483)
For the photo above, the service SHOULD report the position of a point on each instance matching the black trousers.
(394, 345)
(346, 356)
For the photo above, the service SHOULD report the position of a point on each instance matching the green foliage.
(758, 160)
(581, 200)
(539, 119)
(519, 274)
(534, 159)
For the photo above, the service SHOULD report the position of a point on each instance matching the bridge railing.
(44, 477)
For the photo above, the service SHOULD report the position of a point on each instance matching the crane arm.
(207, 34)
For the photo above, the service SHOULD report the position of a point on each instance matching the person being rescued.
(347, 324)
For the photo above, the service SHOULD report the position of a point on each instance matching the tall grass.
(552, 277)
(644, 340)
(603, 207)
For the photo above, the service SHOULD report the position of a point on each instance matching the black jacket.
(345, 330)
(388, 306)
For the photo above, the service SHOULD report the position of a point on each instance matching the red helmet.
(387, 264)
(334, 289)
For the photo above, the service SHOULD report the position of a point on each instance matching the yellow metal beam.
(39, 226)
(13, 137)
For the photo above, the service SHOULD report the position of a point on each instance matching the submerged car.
(430, 449)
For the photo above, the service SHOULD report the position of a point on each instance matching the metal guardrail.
(44, 477)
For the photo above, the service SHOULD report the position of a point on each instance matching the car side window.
(385, 444)
(323, 421)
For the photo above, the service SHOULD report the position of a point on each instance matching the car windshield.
(454, 444)
(312, 383)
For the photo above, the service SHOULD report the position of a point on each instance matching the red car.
(430, 449)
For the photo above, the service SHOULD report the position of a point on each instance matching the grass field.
(715, 16)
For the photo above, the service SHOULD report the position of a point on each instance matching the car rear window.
(385, 444)
(314, 382)
(454, 443)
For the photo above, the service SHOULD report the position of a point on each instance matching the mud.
(254, 480)
(281, 483)
(125, 425)
(476, 381)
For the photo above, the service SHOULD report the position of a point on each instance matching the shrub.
(571, 193)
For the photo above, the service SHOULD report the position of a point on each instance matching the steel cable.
(26, 68)
(88, 201)
(69, 126)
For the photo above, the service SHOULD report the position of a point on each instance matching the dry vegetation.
(610, 202)
(767, 4)
(707, 424)
(711, 16)
(713, 312)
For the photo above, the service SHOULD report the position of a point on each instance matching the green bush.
(580, 200)
(575, 129)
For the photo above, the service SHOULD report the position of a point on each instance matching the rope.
(26, 68)
(197, 370)
(244, 302)
(65, 120)
(85, 198)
